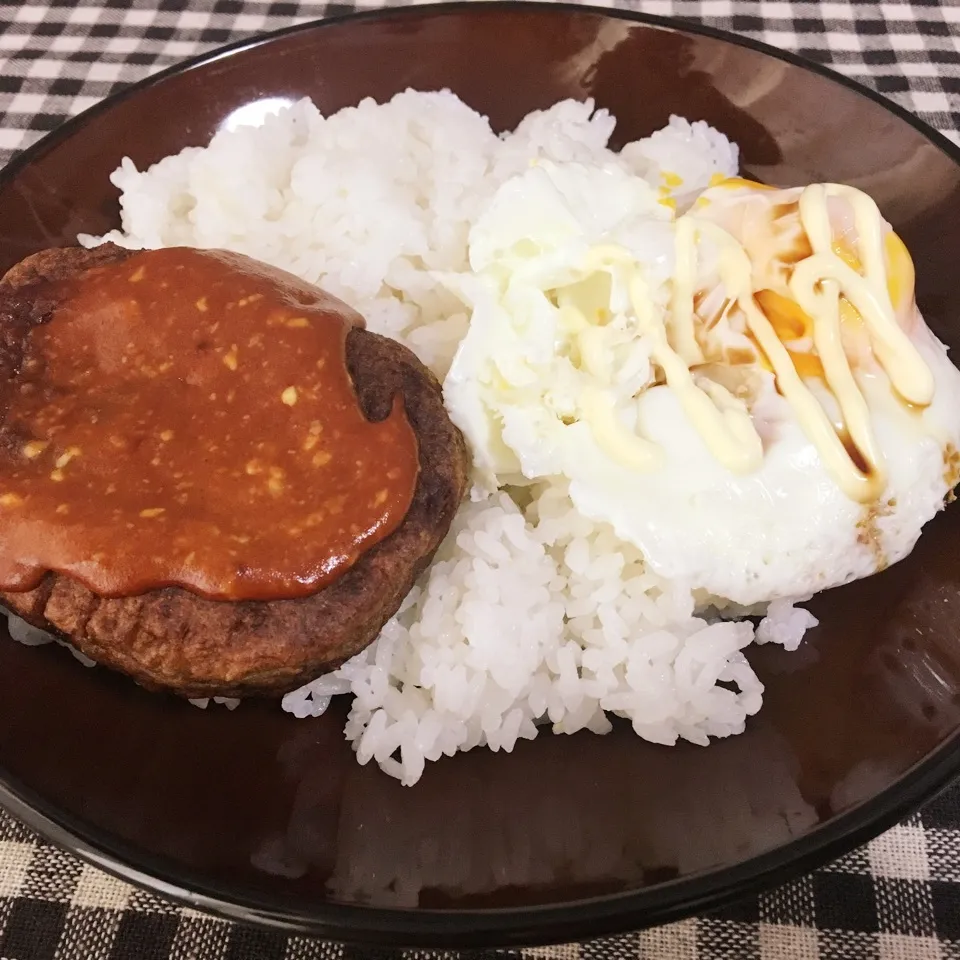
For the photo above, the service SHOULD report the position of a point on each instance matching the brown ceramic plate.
(260, 816)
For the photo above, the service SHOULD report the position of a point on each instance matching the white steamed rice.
(531, 614)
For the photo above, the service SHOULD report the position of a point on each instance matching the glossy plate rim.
(514, 926)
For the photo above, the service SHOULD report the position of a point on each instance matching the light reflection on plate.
(255, 113)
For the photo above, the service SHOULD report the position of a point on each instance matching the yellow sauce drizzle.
(909, 374)
(682, 331)
(828, 292)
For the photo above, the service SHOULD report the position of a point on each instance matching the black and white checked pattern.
(896, 899)
(61, 56)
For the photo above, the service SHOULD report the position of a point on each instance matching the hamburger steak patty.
(173, 640)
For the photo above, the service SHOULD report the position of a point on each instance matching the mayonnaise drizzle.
(722, 421)
(909, 374)
(681, 324)
(817, 284)
(735, 269)
(634, 452)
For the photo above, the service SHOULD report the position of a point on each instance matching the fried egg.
(747, 392)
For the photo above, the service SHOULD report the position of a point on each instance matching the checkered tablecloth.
(896, 899)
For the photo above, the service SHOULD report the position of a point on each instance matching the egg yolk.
(774, 245)
(900, 273)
